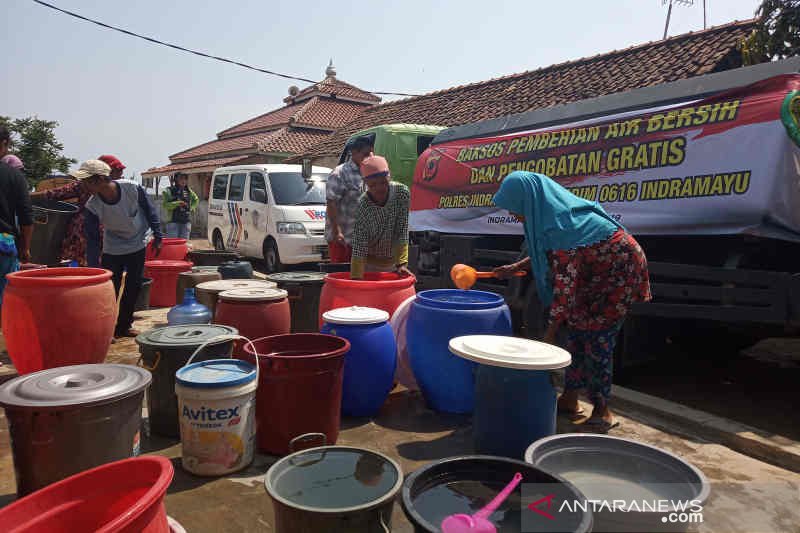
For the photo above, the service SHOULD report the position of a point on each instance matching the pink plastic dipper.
(478, 523)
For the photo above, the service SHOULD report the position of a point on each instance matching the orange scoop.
(464, 276)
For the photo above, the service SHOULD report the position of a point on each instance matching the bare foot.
(568, 403)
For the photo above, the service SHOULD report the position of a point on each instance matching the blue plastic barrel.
(370, 365)
(447, 381)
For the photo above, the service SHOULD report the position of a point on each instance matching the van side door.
(255, 212)
(235, 210)
(218, 219)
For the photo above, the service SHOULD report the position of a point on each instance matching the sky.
(111, 93)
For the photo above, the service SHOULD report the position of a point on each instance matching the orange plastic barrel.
(300, 388)
(255, 312)
(58, 316)
(164, 273)
(380, 290)
(171, 250)
(122, 497)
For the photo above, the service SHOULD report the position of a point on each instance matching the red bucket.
(122, 497)
(171, 250)
(381, 290)
(304, 371)
(164, 274)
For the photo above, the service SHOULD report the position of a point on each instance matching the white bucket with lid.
(216, 410)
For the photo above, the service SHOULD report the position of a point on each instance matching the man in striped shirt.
(380, 233)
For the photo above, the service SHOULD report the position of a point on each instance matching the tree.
(777, 33)
(34, 142)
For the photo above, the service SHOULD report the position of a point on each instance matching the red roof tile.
(209, 164)
(272, 119)
(291, 140)
(220, 146)
(283, 140)
(679, 57)
(337, 87)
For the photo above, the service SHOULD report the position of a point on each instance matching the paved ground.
(747, 495)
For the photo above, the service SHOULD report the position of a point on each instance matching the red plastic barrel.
(171, 250)
(122, 497)
(164, 274)
(381, 290)
(300, 388)
(255, 312)
(58, 316)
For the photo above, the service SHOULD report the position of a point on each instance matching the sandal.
(595, 424)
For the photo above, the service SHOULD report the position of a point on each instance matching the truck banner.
(722, 165)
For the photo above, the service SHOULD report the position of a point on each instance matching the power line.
(195, 52)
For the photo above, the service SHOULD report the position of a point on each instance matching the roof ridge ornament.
(330, 72)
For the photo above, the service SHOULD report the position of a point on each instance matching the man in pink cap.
(116, 166)
(380, 233)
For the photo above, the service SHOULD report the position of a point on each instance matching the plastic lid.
(297, 277)
(216, 373)
(460, 299)
(168, 264)
(510, 352)
(221, 285)
(76, 385)
(256, 294)
(192, 335)
(355, 316)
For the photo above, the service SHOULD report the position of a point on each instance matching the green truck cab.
(400, 144)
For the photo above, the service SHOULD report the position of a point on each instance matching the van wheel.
(272, 260)
(219, 244)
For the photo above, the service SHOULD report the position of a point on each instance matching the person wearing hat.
(179, 201)
(380, 235)
(128, 219)
(16, 215)
(116, 166)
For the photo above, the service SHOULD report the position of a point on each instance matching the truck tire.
(217, 241)
(272, 259)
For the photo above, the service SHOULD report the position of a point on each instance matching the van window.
(257, 183)
(236, 194)
(290, 188)
(220, 186)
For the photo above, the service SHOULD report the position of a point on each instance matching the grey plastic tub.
(50, 219)
(143, 300)
(606, 468)
(69, 419)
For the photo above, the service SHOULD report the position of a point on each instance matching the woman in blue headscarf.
(587, 269)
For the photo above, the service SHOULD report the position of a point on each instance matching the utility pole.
(669, 11)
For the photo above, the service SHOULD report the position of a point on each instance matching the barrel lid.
(215, 374)
(190, 335)
(355, 316)
(460, 299)
(334, 479)
(255, 294)
(510, 352)
(205, 269)
(221, 285)
(76, 385)
(309, 277)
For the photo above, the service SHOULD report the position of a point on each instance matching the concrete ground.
(747, 495)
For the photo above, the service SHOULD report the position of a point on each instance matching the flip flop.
(595, 424)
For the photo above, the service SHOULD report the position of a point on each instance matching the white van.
(269, 211)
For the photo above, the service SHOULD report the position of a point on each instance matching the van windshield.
(290, 188)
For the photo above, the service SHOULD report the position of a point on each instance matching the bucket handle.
(307, 436)
(140, 362)
(228, 337)
(383, 524)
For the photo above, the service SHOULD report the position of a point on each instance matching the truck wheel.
(272, 260)
(216, 239)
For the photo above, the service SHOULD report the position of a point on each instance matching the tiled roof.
(272, 119)
(323, 113)
(282, 140)
(334, 86)
(679, 57)
(199, 166)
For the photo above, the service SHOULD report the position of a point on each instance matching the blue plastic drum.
(515, 401)
(369, 366)
(447, 381)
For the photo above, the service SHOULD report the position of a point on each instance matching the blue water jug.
(189, 312)
(370, 364)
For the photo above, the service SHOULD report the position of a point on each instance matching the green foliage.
(777, 35)
(34, 141)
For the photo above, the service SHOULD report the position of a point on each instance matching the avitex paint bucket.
(216, 408)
